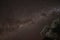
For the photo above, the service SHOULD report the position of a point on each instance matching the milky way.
(24, 20)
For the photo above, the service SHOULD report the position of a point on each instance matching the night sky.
(33, 15)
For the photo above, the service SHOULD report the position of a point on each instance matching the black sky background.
(21, 8)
